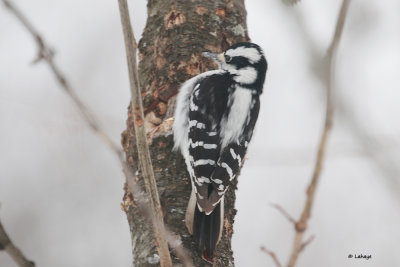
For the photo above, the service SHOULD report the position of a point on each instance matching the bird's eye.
(227, 59)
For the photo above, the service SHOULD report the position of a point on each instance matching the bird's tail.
(206, 229)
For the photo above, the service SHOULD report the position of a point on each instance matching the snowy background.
(60, 188)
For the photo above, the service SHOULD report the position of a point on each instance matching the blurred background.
(60, 187)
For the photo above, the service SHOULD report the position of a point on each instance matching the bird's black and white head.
(245, 62)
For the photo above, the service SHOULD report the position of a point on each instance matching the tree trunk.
(170, 53)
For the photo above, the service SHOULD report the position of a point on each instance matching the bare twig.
(284, 213)
(291, 2)
(141, 200)
(272, 255)
(14, 252)
(46, 54)
(301, 224)
(140, 133)
(307, 242)
(387, 165)
(294, 222)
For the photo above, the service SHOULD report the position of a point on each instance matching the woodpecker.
(215, 115)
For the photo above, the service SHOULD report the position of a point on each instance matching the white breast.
(232, 126)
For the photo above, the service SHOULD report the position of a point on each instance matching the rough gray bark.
(141, 138)
(170, 52)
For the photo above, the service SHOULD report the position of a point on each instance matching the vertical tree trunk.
(176, 33)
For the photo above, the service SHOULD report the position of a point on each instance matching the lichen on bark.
(176, 34)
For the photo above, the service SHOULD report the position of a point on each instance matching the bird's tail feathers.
(206, 229)
(189, 216)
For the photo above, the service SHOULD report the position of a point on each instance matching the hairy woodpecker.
(214, 120)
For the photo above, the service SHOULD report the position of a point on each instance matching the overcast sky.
(60, 188)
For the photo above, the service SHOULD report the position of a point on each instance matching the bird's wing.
(207, 105)
(232, 157)
(213, 168)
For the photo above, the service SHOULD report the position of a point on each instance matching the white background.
(60, 188)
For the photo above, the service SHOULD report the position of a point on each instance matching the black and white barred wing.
(207, 105)
(232, 156)
(214, 163)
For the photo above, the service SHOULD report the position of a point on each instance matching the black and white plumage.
(214, 120)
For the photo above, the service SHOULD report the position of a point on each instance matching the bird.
(214, 119)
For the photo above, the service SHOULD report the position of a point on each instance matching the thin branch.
(284, 213)
(141, 200)
(272, 255)
(307, 242)
(14, 252)
(46, 54)
(387, 165)
(291, 2)
(140, 134)
(301, 224)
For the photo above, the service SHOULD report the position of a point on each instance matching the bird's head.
(245, 62)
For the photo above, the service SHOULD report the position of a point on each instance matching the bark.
(176, 33)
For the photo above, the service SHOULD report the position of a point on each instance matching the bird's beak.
(218, 58)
